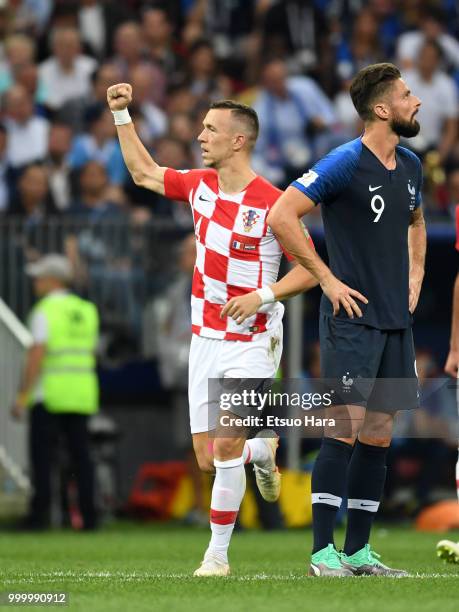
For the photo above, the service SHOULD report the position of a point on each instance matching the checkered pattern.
(236, 251)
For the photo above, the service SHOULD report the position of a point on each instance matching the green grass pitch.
(134, 568)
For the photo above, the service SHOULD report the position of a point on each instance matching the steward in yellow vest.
(59, 385)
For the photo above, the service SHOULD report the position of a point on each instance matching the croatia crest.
(249, 218)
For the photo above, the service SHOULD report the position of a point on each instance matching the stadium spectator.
(99, 143)
(181, 100)
(60, 386)
(172, 153)
(298, 32)
(129, 53)
(432, 27)
(182, 127)
(431, 83)
(99, 248)
(27, 133)
(33, 200)
(159, 42)
(232, 27)
(362, 49)
(66, 74)
(294, 115)
(346, 116)
(151, 120)
(74, 111)
(57, 165)
(203, 78)
(19, 50)
(93, 185)
(4, 172)
(27, 76)
(97, 23)
(30, 16)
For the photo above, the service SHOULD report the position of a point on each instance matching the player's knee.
(205, 463)
(226, 448)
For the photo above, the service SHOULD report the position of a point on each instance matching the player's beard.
(405, 129)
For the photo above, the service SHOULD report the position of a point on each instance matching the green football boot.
(365, 562)
(327, 562)
(449, 551)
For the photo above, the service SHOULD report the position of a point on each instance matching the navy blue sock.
(328, 488)
(365, 483)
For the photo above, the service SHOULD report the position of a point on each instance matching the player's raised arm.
(144, 170)
(284, 221)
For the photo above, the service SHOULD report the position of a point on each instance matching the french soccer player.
(370, 190)
(237, 255)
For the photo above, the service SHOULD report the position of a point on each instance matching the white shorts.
(211, 358)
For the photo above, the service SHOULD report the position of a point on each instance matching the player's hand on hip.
(452, 363)
(340, 294)
(119, 96)
(415, 285)
(241, 307)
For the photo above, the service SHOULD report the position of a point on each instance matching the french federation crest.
(249, 219)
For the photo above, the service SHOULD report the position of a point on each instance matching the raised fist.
(119, 96)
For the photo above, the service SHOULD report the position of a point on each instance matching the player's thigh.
(397, 386)
(259, 358)
(248, 370)
(203, 365)
(350, 357)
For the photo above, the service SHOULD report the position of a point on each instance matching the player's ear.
(381, 110)
(239, 141)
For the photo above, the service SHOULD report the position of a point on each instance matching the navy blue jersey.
(366, 213)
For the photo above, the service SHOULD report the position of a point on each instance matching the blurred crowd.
(63, 182)
(293, 60)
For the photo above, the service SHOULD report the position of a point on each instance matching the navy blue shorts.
(368, 366)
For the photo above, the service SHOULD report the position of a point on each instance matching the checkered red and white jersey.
(236, 250)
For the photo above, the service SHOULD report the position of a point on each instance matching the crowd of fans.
(293, 60)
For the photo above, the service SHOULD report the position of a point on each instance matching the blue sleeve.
(330, 175)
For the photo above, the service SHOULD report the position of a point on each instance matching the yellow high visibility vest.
(69, 379)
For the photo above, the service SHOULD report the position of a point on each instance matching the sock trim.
(249, 453)
(370, 505)
(230, 463)
(326, 498)
(223, 517)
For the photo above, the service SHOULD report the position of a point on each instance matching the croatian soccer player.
(370, 190)
(237, 254)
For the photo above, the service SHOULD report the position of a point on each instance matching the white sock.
(227, 494)
(256, 451)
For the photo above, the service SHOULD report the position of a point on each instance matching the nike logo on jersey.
(204, 199)
(370, 188)
(329, 498)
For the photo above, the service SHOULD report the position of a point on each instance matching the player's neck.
(382, 144)
(234, 177)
